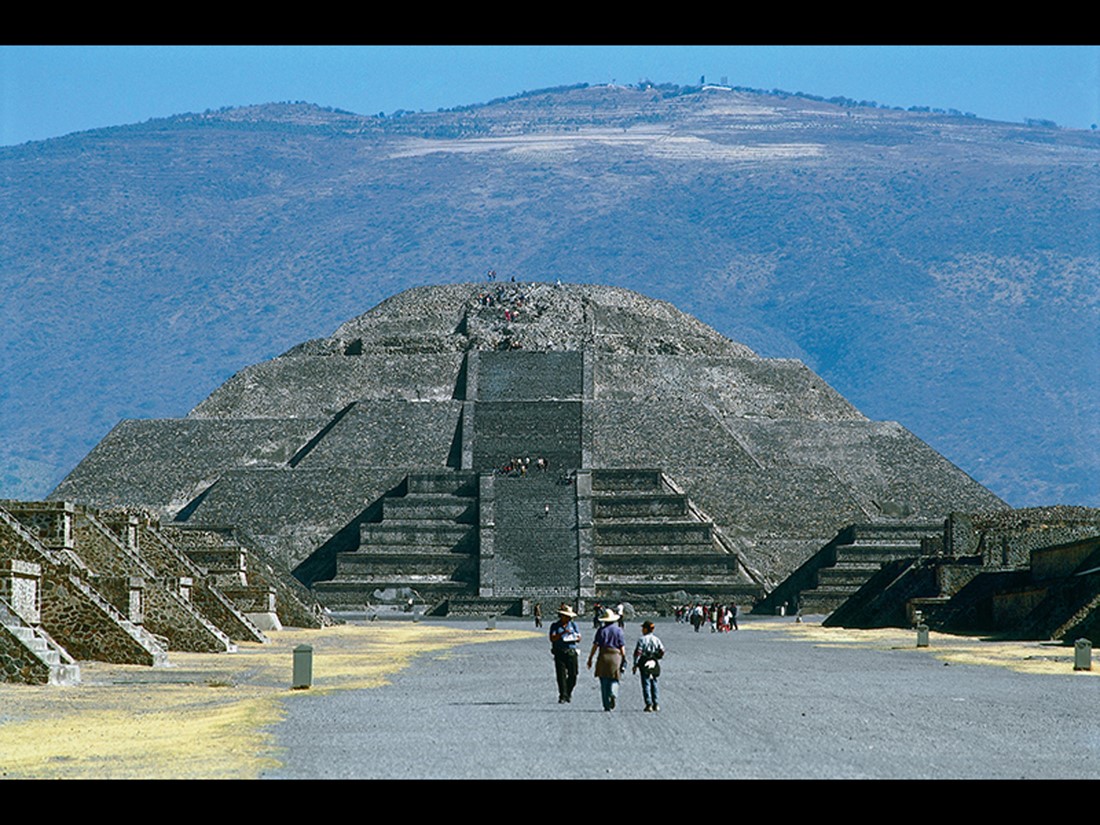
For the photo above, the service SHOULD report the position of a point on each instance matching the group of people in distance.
(520, 466)
(609, 652)
(722, 618)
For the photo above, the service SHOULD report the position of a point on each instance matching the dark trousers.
(565, 666)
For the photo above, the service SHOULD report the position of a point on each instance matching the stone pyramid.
(379, 457)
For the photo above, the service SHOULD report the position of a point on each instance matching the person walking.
(611, 645)
(648, 653)
(564, 638)
(537, 612)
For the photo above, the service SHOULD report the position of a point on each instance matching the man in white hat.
(611, 646)
(564, 638)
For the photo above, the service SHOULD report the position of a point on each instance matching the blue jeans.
(649, 690)
(608, 688)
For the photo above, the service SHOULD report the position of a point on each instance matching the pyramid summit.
(522, 440)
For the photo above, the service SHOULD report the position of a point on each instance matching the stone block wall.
(103, 551)
(394, 567)
(51, 523)
(89, 627)
(339, 379)
(167, 613)
(763, 388)
(19, 588)
(389, 433)
(18, 663)
(1010, 608)
(164, 464)
(1006, 538)
(225, 615)
(125, 593)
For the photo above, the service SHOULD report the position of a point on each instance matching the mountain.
(936, 269)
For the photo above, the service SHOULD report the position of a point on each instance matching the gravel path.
(763, 702)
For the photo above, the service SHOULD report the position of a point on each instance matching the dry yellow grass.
(1025, 657)
(206, 716)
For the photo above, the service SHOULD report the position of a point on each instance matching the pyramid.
(527, 440)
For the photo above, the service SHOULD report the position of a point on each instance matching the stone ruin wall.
(1007, 537)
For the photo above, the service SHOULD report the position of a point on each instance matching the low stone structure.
(1032, 573)
(116, 586)
(27, 653)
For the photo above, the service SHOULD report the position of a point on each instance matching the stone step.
(463, 484)
(846, 575)
(892, 533)
(477, 606)
(626, 480)
(632, 505)
(356, 592)
(824, 599)
(21, 632)
(878, 553)
(682, 554)
(662, 533)
(431, 508)
(33, 642)
(217, 559)
(658, 584)
(359, 583)
(444, 549)
(405, 533)
(446, 565)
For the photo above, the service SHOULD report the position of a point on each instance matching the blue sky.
(47, 91)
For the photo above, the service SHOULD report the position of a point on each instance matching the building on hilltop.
(485, 444)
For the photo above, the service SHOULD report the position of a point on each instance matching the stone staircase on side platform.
(858, 553)
(29, 655)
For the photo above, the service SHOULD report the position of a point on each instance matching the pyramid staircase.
(650, 538)
(469, 544)
(166, 612)
(427, 540)
(260, 588)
